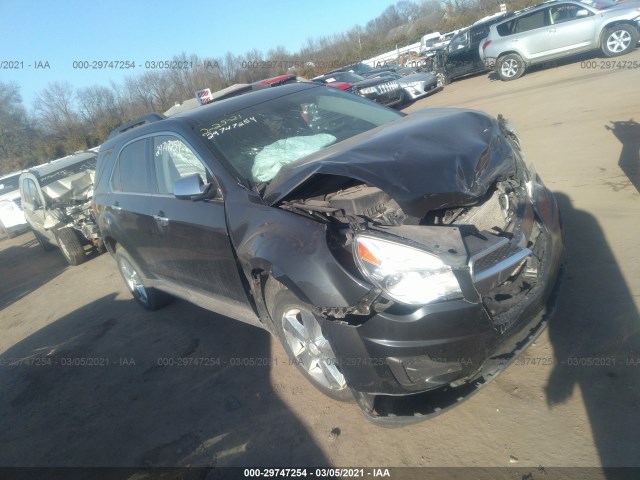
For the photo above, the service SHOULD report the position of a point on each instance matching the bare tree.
(55, 111)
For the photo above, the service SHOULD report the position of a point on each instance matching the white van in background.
(428, 41)
(12, 221)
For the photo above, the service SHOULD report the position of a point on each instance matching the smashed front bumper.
(422, 89)
(450, 349)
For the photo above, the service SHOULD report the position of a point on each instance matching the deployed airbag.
(272, 158)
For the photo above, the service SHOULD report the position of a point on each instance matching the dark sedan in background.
(384, 90)
(416, 85)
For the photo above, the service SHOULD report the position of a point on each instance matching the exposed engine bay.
(495, 240)
(69, 205)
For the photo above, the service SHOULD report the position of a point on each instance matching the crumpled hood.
(428, 160)
(78, 186)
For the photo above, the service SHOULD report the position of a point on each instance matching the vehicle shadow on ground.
(30, 268)
(628, 133)
(595, 334)
(113, 385)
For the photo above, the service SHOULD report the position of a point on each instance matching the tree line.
(65, 119)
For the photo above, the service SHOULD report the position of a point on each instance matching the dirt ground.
(572, 400)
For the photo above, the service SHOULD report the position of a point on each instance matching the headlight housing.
(406, 274)
(367, 90)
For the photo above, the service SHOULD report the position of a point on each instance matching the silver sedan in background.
(416, 85)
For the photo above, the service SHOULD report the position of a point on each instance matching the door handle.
(117, 207)
(161, 220)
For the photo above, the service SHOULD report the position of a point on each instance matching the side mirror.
(583, 12)
(192, 188)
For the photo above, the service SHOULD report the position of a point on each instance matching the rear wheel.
(301, 335)
(510, 67)
(70, 246)
(149, 298)
(619, 40)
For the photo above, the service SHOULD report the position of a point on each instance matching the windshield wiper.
(260, 187)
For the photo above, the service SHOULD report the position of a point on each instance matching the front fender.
(294, 250)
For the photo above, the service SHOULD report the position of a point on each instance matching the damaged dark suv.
(391, 254)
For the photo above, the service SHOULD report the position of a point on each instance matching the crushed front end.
(460, 281)
(69, 206)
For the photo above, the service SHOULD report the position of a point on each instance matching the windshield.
(387, 75)
(256, 142)
(343, 77)
(9, 184)
(360, 68)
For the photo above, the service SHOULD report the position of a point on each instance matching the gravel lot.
(571, 400)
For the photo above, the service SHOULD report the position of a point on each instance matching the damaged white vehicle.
(56, 198)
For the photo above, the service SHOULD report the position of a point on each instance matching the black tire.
(70, 246)
(311, 352)
(149, 298)
(405, 99)
(510, 67)
(619, 40)
(44, 243)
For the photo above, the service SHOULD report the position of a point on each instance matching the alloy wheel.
(510, 68)
(618, 41)
(311, 349)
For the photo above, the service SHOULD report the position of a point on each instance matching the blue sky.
(63, 31)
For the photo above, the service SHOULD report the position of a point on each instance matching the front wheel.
(510, 67)
(301, 335)
(149, 298)
(70, 246)
(443, 79)
(619, 40)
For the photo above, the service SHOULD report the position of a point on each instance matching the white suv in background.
(559, 29)
(12, 221)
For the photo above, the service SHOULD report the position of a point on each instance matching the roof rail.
(136, 122)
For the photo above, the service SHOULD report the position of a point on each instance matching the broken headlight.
(405, 274)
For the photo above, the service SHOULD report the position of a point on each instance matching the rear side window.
(530, 21)
(506, 28)
(131, 173)
(102, 169)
